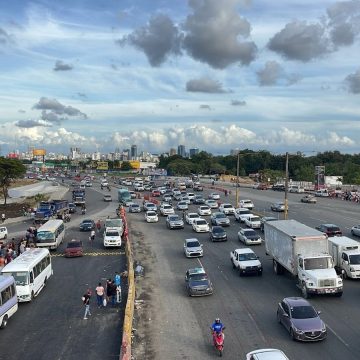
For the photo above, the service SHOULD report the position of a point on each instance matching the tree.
(10, 169)
(126, 166)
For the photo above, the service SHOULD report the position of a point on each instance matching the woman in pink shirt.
(100, 294)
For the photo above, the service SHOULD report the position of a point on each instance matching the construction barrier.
(125, 350)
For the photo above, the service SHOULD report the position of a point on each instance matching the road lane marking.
(96, 253)
(338, 336)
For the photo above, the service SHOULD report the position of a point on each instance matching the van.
(322, 193)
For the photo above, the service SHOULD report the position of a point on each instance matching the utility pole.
(286, 186)
(237, 179)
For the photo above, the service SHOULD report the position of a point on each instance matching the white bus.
(31, 270)
(8, 299)
(51, 234)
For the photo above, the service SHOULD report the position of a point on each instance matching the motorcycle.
(67, 218)
(83, 211)
(218, 341)
(109, 189)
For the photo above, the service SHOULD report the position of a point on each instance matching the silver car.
(355, 230)
(192, 248)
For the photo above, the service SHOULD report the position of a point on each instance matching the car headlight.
(309, 283)
(323, 329)
(298, 331)
(352, 269)
(259, 267)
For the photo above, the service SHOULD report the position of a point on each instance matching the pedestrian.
(98, 225)
(3, 217)
(22, 247)
(92, 236)
(117, 282)
(100, 294)
(86, 301)
(111, 291)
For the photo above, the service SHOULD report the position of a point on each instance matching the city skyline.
(209, 74)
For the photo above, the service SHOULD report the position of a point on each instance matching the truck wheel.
(339, 294)
(277, 268)
(304, 291)
(4, 322)
(233, 265)
(240, 273)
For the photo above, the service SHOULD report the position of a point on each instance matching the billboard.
(135, 164)
(319, 177)
(39, 152)
(102, 165)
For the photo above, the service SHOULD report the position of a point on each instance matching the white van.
(322, 193)
(296, 189)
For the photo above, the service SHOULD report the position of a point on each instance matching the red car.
(74, 248)
(155, 193)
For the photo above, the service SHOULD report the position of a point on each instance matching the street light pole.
(237, 179)
(286, 186)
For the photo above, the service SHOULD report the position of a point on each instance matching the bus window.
(6, 295)
(31, 277)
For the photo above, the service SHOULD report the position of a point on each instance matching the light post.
(286, 186)
(237, 179)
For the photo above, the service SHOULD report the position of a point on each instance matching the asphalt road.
(52, 326)
(179, 325)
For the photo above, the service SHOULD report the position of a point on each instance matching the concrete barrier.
(125, 350)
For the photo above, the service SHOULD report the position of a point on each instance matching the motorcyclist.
(217, 326)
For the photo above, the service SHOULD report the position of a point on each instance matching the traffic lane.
(56, 316)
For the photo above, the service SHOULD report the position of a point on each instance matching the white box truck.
(302, 251)
(346, 256)
(115, 223)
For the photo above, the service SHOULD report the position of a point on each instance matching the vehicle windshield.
(198, 277)
(151, 213)
(43, 236)
(318, 263)
(248, 256)
(174, 218)
(21, 278)
(167, 207)
(250, 232)
(218, 230)
(112, 233)
(135, 206)
(354, 259)
(227, 206)
(303, 312)
(221, 216)
(193, 244)
(193, 216)
(201, 222)
(255, 218)
(244, 212)
(74, 244)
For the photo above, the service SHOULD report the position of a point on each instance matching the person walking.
(100, 294)
(86, 301)
(92, 237)
(3, 217)
(98, 226)
(117, 282)
(111, 291)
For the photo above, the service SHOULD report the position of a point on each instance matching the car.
(107, 198)
(219, 218)
(212, 204)
(249, 237)
(200, 225)
(192, 248)
(132, 194)
(198, 187)
(240, 212)
(329, 229)
(155, 193)
(174, 222)
(278, 187)
(217, 233)
(322, 193)
(266, 219)
(166, 209)
(72, 208)
(197, 282)
(296, 189)
(266, 354)
(149, 206)
(87, 225)
(204, 210)
(151, 216)
(191, 196)
(139, 187)
(278, 206)
(182, 205)
(199, 200)
(104, 183)
(227, 209)
(74, 248)
(186, 199)
(189, 217)
(253, 221)
(88, 184)
(3, 232)
(246, 204)
(246, 262)
(134, 208)
(214, 196)
(310, 199)
(262, 186)
(167, 198)
(300, 319)
(355, 230)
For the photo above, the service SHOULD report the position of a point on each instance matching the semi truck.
(304, 253)
(48, 209)
(78, 196)
(346, 256)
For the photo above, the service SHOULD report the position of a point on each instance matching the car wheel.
(4, 322)
(240, 273)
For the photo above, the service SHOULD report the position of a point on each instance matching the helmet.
(217, 320)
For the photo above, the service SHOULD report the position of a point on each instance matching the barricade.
(125, 350)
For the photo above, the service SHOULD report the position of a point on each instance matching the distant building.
(193, 152)
(181, 150)
(75, 153)
(133, 153)
(172, 152)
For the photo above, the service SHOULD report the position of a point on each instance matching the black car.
(87, 225)
(199, 200)
(329, 229)
(218, 233)
(72, 208)
(278, 187)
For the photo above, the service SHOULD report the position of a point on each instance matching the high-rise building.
(75, 153)
(133, 154)
(172, 152)
(181, 150)
(193, 152)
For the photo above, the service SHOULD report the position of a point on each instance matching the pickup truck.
(246, 262)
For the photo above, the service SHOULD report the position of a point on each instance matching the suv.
(241, 214)
(245, 261)
(166, 209)
(247, 204)
(329, 229)
(227, 209)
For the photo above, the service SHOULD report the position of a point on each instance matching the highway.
(52, 326)
(179, 325)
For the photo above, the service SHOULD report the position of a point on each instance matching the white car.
(249, 237)
(150, 206)
(192, 248)
(139, 187)
(241, 214)
(247, 204)
(214, 196)
(204, 210)
(191, 196)
(200, 225)
(3, 232)
(266, 354)
(151, 216)
(253, 221)
(227, 209)
(186, 199)
(189, 217)
(166, 209)
(182, 205)
(212, 204)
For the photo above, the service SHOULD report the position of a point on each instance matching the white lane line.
(338, 336)
(221, 272)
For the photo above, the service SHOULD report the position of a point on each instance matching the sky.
(215, 75)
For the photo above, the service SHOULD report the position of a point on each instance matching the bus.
(124, 196)
(51, 234)
(31, 271)
(8, 299)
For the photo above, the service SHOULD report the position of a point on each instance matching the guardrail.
(125, 350)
